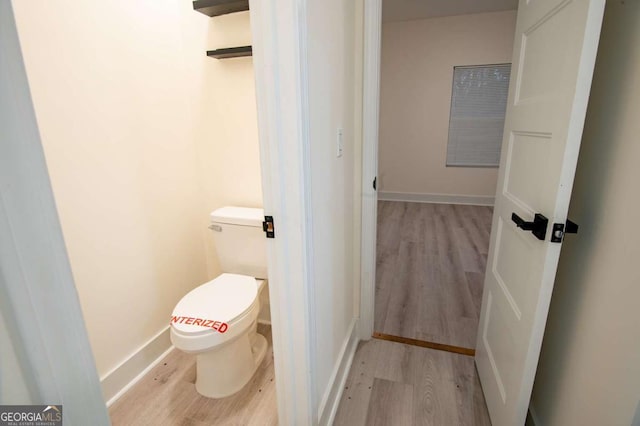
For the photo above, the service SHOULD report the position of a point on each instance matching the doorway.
(444, 77)
(543, 128)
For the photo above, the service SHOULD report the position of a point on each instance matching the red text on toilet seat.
(218, 326)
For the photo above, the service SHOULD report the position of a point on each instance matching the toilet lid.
(222, 299)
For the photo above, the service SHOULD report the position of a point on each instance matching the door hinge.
(560, 229)
(268, 227)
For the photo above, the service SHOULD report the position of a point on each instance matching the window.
(476, 123)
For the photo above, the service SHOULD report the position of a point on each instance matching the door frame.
(280, 69)
(370, 126)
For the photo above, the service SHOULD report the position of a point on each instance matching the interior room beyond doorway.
(434, 216)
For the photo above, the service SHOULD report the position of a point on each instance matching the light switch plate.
(339, 144)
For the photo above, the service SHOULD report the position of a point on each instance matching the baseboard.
(128, 373)
(477, 200)
(331, 399)
(532, 416)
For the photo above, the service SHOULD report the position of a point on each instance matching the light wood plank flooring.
(403, 385)
(167, 396)
(431, 260)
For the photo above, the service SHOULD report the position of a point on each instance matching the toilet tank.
(240, 242)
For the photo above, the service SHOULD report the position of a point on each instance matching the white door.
(553, 59)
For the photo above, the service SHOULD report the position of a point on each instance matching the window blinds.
(476, 123)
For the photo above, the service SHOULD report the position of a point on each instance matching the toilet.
(217, 321)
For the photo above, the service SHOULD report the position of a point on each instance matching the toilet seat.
(197, 320)
(222, 299)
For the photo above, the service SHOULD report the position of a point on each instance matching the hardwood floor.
(430, 265)
(403, 385)
(167, 396)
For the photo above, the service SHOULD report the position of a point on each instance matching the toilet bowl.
(217, 322)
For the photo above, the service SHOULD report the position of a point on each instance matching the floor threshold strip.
(424, 344)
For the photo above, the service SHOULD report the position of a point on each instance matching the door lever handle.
(538, 227)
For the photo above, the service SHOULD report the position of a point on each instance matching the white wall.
(589, 372)
(144, 135)
(108, 83)
(332, 81)
(415, 98)
(224, 109)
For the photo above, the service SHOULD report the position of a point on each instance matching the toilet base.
(224, 371)
(259, 349)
